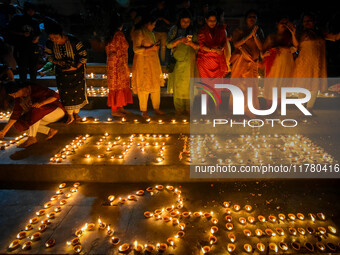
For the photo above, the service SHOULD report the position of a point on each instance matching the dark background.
(88, 19)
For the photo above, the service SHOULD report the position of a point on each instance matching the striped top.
(73, 50)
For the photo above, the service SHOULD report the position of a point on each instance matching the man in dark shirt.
(24, 31)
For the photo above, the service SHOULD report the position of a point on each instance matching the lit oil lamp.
(214, 221)
(206, 249)
(36, 236)
(273, 247)
(291, 216)
(63, 202)
(292, 231)
(159, 187)
(42, 227)
(247, 232)
(124, 247)
(27, 246)
(34, 220)
(62, 185)
(212, 240)
(57, 209)
(228, 218)
(226, 204)
(258, 232)
(213, 229)
(132, 197)
(300, 216)
(59, 192)
(170, 188)
(40, 212)
(310, 230)
(74, 241)
(148, 214)
(21, 235)
(122, 200)
(242, 220)
(237, 208)
(50, 215)
(322, 230)
(272, 218)
(49, 243)
(261, 247)
(283, 246)
(248, 208)
(47, 205)
(231, 247)
(301, 231)
(229, 226)
(332, 229)
(282, 216)
(320, 246)
(162, 247)
(296, 246)
(247, 247)
(232, 237)
(312, 216)
(68, 195)
(138, 247)
(321, 216)
(197, 214)
(175, 221)
(171, 241)
(251, 219)
(115, 240)
(101, 225)
(28, 227)
(269, 232)
(228, 211)
(77, 249)
(261, 218)
(280, 231)
(207, 215)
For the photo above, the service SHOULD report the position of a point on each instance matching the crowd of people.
(199, 48)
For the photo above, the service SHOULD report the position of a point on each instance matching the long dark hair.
(182, 15)
(114, 26)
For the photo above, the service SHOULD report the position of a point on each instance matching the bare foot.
(159, 112)
(117, 114)
(51, 134)
(70, 119)
(77, 117)
(30, 140)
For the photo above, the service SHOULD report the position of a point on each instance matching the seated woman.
(34, 107)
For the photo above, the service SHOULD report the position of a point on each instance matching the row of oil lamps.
(5, 115)
(297, 149)
(124, 120)
(6, 144)
(159, 214)
(70, 149)
(141, 141)
(51, 210)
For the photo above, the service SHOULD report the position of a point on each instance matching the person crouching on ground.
(34, 107)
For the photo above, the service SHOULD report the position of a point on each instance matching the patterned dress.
(118, 73)
(71, 84)
(147, 75)
(211, 64)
